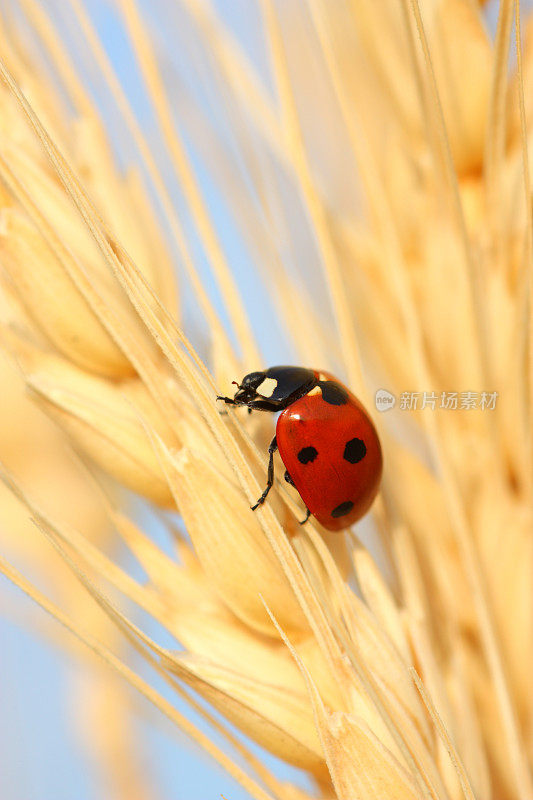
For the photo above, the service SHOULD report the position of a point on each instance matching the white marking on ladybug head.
(316, 390)
(267, 387)
(322, 377)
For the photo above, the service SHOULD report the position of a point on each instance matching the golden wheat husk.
(386, 208)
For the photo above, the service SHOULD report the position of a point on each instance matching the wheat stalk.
(381, 185)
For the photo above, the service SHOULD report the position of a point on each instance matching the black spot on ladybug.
(333, 393)
(307, 454)
(343, 509)
(355, 450)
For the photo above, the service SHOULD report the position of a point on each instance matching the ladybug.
(325, 438)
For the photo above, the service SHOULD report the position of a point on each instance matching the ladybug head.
(275, 388)
(247, 388)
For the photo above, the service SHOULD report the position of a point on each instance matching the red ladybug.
(325, 438)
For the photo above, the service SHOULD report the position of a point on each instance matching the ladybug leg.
(229, 401)
(226, 400)
(272, 447)
(288, 478)
(303, 521)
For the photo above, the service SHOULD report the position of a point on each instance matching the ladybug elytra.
(326, 440)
